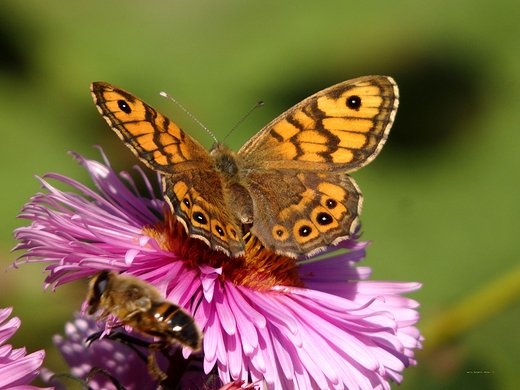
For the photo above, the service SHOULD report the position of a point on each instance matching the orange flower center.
(259, 269)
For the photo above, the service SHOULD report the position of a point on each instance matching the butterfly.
(288, 185)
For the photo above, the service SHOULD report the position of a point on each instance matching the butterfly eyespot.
(354, 102)
(186, 201)
(304, 231)
(219, 230)
(331, 203)
(232, 232)
(280, 233)
(200, 218)
(123, 106)
(324, 219)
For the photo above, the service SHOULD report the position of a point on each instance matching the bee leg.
(93, 337)
(153, 367)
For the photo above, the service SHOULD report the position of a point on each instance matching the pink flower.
(311, 324)
(237, 385)
(124, 364)
(17, 369)
(116, 358)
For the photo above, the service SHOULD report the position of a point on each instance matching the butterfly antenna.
(164, 94)
(258, 104)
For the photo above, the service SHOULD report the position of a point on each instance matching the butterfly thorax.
(225, 163)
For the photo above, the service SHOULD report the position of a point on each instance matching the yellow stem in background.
(472, 310)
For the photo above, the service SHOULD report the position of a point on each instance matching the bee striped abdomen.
(180, 325)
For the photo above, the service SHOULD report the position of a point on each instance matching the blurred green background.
(441, 201)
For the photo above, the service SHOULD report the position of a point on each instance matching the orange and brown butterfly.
(288, 185)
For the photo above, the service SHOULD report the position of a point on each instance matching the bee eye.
(101, 285)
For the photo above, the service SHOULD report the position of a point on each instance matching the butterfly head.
(224, 160)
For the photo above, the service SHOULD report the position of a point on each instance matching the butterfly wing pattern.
(190, 184)
(308, 150)
(288, 184)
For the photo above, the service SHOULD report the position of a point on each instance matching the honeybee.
(140, 305)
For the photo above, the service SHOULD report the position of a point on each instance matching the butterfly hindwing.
(203, 211)
(308, 211)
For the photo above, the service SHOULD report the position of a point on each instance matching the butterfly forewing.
(155, 140)
(340, 128)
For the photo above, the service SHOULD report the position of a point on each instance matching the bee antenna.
(164, 94)
(258, 104)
